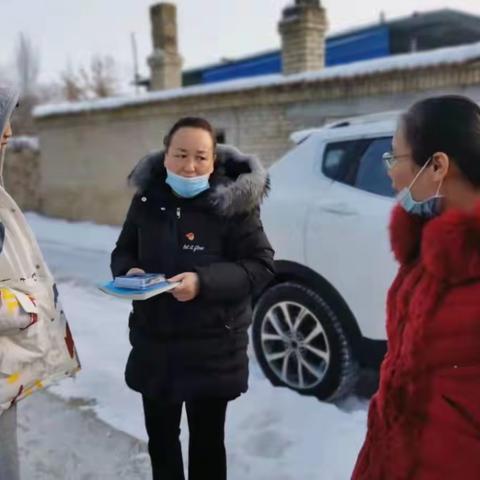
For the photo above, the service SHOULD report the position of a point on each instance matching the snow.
(272, 433)
(24, 143)
(382, 123)
(49, 451)
(83, 235)
(408, 61)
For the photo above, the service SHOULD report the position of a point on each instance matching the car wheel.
(299, 343)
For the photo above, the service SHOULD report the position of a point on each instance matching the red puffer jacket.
(424, 421)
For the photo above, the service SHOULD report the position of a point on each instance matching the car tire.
(299, 343)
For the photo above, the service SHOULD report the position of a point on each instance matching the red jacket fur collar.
(449, 245)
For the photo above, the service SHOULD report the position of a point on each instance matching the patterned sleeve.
(18, 311)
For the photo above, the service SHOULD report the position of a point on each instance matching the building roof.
(395, 63)
(416, 32)
(445, 28)
(449, 19)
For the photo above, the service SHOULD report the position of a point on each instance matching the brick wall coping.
(404, 63)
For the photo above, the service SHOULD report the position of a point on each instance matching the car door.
(346, 237)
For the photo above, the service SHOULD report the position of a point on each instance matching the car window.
(372, 173)
(340, 160)
(359, 163)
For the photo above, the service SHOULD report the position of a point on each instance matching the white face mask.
(429, 208)
(187, 187)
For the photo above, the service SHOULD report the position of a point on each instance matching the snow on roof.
(408, 61)
(377, 117)
(375, 122)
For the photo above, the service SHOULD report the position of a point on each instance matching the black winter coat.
(195, 349)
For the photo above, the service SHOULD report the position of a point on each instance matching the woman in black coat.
(195, 218)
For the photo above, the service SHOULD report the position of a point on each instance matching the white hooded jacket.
(36, 345)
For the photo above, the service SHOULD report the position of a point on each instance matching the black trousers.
(206, 453)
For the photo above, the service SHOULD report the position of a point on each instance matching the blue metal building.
(421, 31)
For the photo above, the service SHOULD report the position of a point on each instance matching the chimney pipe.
(165, 61)
(303, 27)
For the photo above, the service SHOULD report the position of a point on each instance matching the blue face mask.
(187, 187)
(429, 208)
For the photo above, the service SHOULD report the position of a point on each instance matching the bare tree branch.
(28, 65)
(103, 76)
(73, 86)
(100, 80)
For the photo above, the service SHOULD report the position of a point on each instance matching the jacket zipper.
(178, 216)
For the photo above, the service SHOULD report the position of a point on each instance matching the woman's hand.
(135, 271)
(188, 288)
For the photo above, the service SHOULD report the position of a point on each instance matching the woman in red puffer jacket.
(424, 421)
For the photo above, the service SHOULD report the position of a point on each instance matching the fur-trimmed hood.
(239, 182)
(8, 101)
(448, 245)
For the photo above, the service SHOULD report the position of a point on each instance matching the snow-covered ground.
(272, 433)
(56, 439)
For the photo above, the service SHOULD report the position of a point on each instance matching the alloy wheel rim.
(295, 345)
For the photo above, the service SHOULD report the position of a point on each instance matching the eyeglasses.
(390, 159)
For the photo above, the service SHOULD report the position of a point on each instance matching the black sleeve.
(251, 268)
(125, 254)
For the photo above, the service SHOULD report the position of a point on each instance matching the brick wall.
(22, 176)
(87, 156)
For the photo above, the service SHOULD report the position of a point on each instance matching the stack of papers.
(139, 282)
(141, 294)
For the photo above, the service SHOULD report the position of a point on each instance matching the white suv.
(323, 318)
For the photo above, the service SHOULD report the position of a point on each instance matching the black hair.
(449, 124)
(191, 122)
